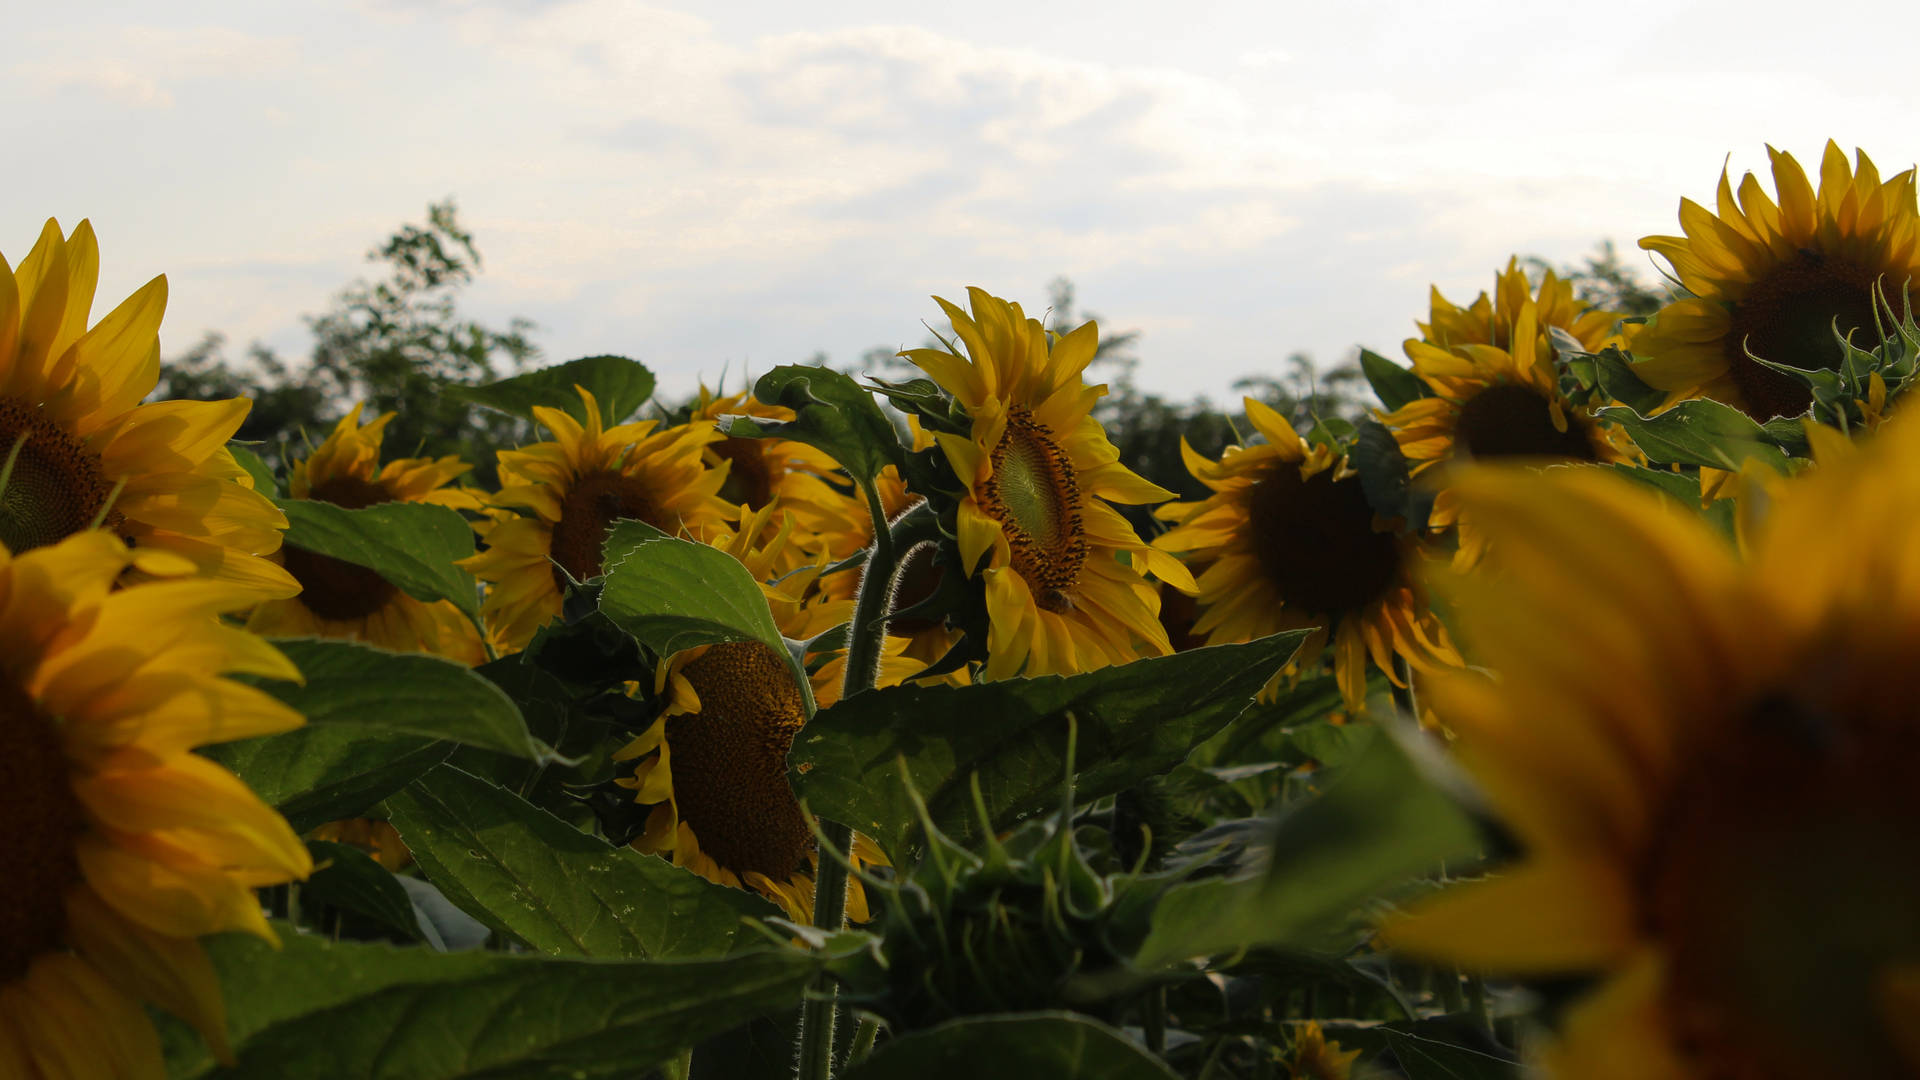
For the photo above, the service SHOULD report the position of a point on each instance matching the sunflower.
(558, 499)
(764, 472)
(122, 846)
(1063, 570)
(714, 764)
(1315, 1057)
(1496, 392)
(1288, 541)
(341, 600)
(78, 450)
(1708, 763)
(1776, 280)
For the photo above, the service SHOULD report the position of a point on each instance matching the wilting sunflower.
(1775, 280)
(123, 847)
(1496, 391)
(341, 600)
(1709, 765)
(558, 499)
(1063, 569)
(714, 765)
(1288, 541)
(78, 450)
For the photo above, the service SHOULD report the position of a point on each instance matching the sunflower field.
(1548, 721)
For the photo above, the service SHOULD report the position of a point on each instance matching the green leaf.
(1422, 1058)
(263, 481)
(412, 545)
(1613, 369)
(618, 384)
(378, 692)
(1392, 384)
(318, 1011)
(1378, 827)
(1699, 432)
(831, 413)
(314, 775)
(1385, 477)
(347, 878)
(524, 872)
(1134, 721)
(1058, 1046)
(675, 594)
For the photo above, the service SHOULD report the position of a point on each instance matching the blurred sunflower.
(123, 847)
(78, 450)
(714, 765)
(1286, 541)
(1315, 1057)
(557, 499)
(1775, 280)
(1063, 570)
(1496, 391)
(341, 600)
(1708, 765)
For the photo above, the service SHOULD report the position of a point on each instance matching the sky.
(718, 188)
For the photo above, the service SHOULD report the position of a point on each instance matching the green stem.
(1477, 1003)
(865, 637)
(681, 1067)
(863, 1040)
(1155, 1021)
(1450, 999)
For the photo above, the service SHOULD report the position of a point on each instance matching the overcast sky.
(732, 186)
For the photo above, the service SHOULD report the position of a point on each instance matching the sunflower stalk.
(865, 637)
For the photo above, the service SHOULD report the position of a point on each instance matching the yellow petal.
(1549, 916)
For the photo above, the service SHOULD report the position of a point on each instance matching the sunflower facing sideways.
(123, 847)
(1708, 764)
(559, 498)
(341, 600)
(1062, 570)
(1288, 540)
(78, 450)
(1496, 392)
(1775, 279)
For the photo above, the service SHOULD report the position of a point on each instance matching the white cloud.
(138, 66)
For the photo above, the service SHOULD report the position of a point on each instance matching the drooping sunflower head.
(1061, 568)
(558, 499)
(77, 448)
(340, 599)
(1708, 763)
(1288, 540)
(123, 847)
(1776, 279)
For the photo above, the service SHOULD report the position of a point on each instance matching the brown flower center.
(1786, 882)
(1034, 496)
(1788, 316)
(1511, 420)
(333, 588)
(729, 761)
(42, 820)
(56, 486)
(592, 505)
(750, 481)
(1314, 537)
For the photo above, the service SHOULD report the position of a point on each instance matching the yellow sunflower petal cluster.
(1062, 569)
(123, 847)
(80, 450)
(1774, 278)
(1708, 762)
(558, 499)
(767, 472)
(341, 600)
(1313, 1056)
(1288, 541)
(714, 764)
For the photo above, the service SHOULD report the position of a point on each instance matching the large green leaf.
(831, 413)
(314, 775)
(412, 545)
(1378, 827)
(675, 594)
(1134, 721)
(525, 872)
(1700, 432)
(1056, 1045)
(347, 878)
(618, 384)
(263, 481)
(1392, 384)
(348, 684)
(318, 1011)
